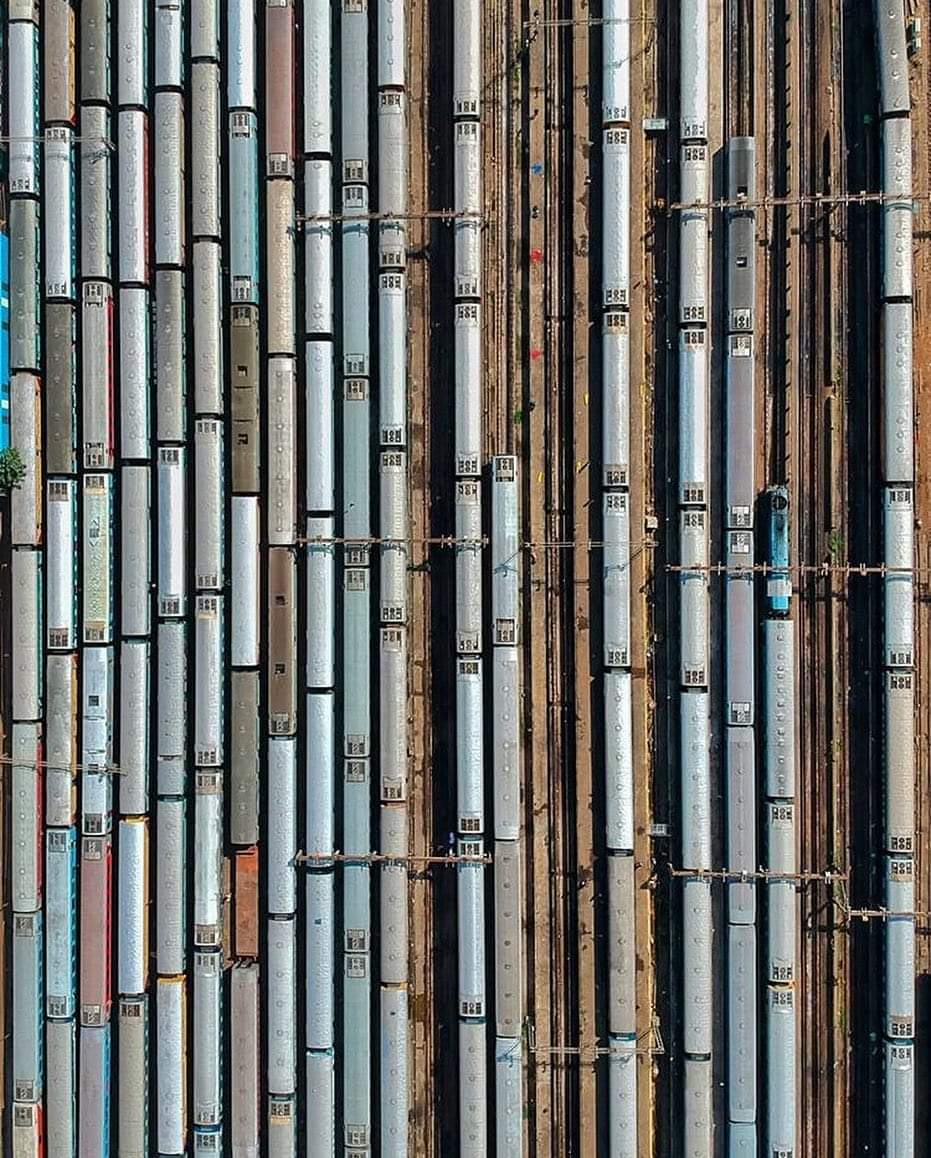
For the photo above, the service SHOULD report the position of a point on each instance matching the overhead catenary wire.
(585, 22)
(790, 200)
(824, 569)
(828, 876)
(53, 766)
(76, 140)
(446, 215)
(351, 858)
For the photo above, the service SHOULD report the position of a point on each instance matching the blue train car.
(94, 1091)
(244, 206)
(778, 582)
(4, 327)
(61, 921)
(28, 1054)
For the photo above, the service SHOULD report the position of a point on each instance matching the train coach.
(4, 326)
(778, 583)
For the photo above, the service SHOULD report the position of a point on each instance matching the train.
(27, 621)
(321, 603)
(5, 415)
(135, 746)
(94, 983)
(244, 405)
(170, 364)
(469, 745)
(898, 474)
(506, 742)
(133, 1044)
(616, 593)
(24, 253)
(97, 577)
(281, 1019)
(170, 221)
(468, 503)
(320, 812)
(208, 692)
(26, 516)
(205, 142)
(320, 477)
(244, 205)
(97, 736)
(171, 823)
(59, 207)
(132, 30)
(282, 632)
(282, 465)
(208, 865)
(208, 1049)
(780, 953)
(467, 289)
(24, 167)
(26, 860)
(246, 892)
(171, 690)
(393, 659)
(95, 191)
(244, 1051)
(60, 740)
(133, 153)
(244, 758)
(135, 372)
(172, 578)
(467, 442)
(778, 582)
(740, 709)
(171, 1108)
(135, 553)
(393, 523)
(132, 894)
(59, 63)
(61, 860)
(97, 375)
(282, 827)
(60, 378)
(209, 545)
(616, 579)
(208, 346)
(506, 549)
(695, 677)
(244, 571)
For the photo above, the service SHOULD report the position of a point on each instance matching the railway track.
(921, 361)
(803, 501)
(838, 269)
(581, 763)
(866, 833)
(668, 962)
(561, 648)
(423, 1134)
(439, 587)
(545, 966)
(820, 504)
(547, 149)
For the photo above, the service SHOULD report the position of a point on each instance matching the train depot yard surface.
(464, 588)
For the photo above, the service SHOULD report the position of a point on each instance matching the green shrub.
(12, 470)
